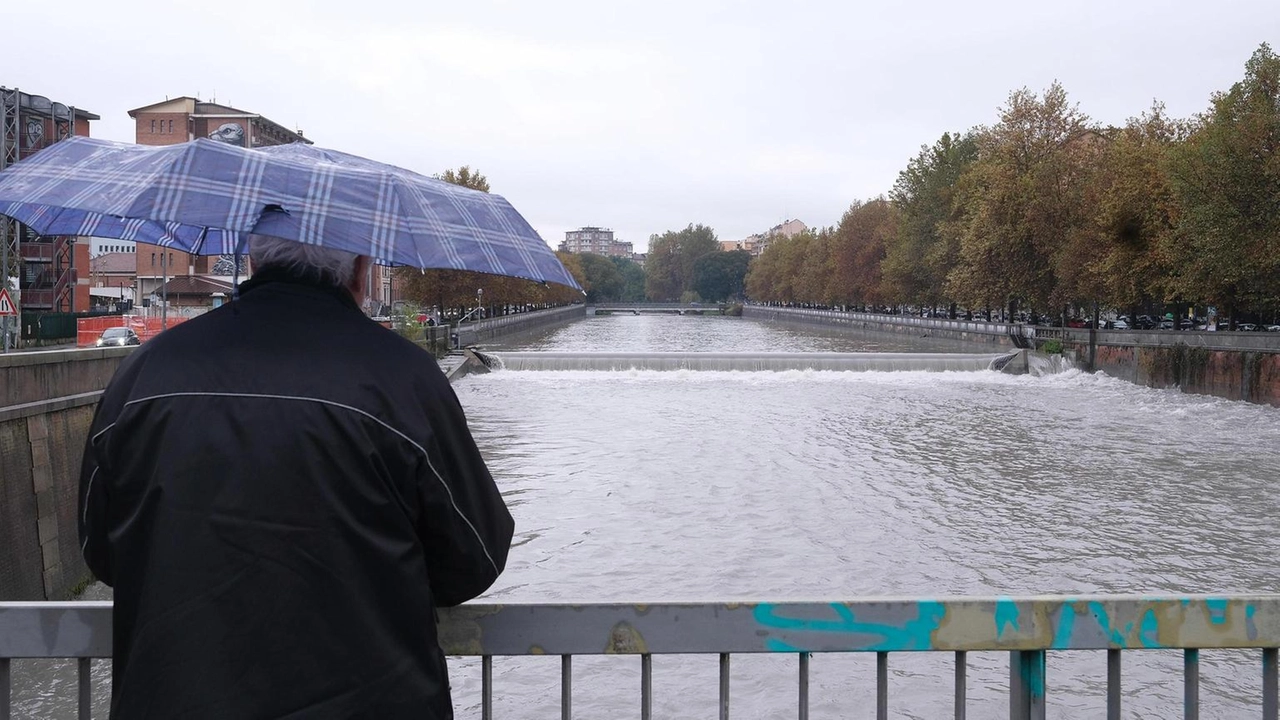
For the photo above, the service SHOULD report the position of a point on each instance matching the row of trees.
(1046, 209)
(1043, 210)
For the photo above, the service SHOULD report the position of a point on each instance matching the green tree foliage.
(857, 252)
(601, 279)
(632, 279)
(669, 264)
(719, 275)
(466, 177)
(918, 260)
(778, 275)
(1136, 211)
(1227, 175)
(1022, 203)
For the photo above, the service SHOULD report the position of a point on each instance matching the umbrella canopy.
(206, 197)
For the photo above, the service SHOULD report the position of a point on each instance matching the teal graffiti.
(1250, 628)
(1217, 610)
(1148, 627)
(912, 634)
(1066, 625)
(1006, 614)
(1148, 631)
(1032, 671)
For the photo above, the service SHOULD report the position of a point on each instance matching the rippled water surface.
(700, 486)
(810, 485)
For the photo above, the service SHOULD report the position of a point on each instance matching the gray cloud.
(640, 116)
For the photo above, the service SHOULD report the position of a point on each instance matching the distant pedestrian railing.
(1027, 628)
(838, 317)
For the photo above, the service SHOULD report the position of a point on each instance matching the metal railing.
(838, 317)
(1028, 628)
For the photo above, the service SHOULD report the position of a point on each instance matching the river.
(696, 486)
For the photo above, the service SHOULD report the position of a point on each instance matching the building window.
(170, 127)
(153, 259)
(153, 127)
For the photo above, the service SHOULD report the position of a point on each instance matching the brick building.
(186, 118)
(596, 240)
(52, 271)
(759, 242)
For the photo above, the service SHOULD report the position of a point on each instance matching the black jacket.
(280, 492)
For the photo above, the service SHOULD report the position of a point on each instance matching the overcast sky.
(638, 116)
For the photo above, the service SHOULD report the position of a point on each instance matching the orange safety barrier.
(89, 329)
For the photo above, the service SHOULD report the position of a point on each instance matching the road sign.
(6, 303)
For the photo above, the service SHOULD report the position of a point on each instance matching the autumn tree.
(776, 276)
(466, 177)
(1136, 212)
(857, 253)
(1227, 176)
(1021, 204)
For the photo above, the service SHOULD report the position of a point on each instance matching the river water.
(714, 486)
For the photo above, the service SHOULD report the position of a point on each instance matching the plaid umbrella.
(205, 197)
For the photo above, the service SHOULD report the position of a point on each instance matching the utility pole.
(164, 289)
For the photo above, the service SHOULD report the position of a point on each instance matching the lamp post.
(480, 303)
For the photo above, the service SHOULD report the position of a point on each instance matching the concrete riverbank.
(1231, 365)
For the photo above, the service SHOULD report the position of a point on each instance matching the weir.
(745, 361)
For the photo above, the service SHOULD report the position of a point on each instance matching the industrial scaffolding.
(29, 123)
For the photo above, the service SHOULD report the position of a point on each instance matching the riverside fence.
(1028, 628)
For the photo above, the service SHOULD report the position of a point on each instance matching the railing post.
(4, 684)
(803, 710)
(1026, 685)
(1270, 691)
(83, 677)
(1191, 684)
(882, 686)
(1113, 684)
(566, 687)
(486, 687)
(724, 686)
(646, 687)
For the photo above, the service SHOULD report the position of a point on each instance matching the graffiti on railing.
(1005, 623)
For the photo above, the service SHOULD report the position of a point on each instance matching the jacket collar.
(270, 275)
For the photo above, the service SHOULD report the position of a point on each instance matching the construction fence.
(89, 329)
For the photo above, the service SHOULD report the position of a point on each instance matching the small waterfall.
(1039, 365)
(745, 361)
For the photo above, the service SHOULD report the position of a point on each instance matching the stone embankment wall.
(487, 330)
(46, 405)
(1231, 365)
(1250, 375)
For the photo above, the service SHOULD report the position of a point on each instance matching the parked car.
(1273, 328)
(118, 336)
(1120, 324)
(1246, 327)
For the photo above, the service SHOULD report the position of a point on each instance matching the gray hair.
(309, 261)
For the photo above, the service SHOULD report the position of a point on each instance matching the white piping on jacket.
(322, 401)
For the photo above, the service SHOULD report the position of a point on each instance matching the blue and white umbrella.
(206, 197)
